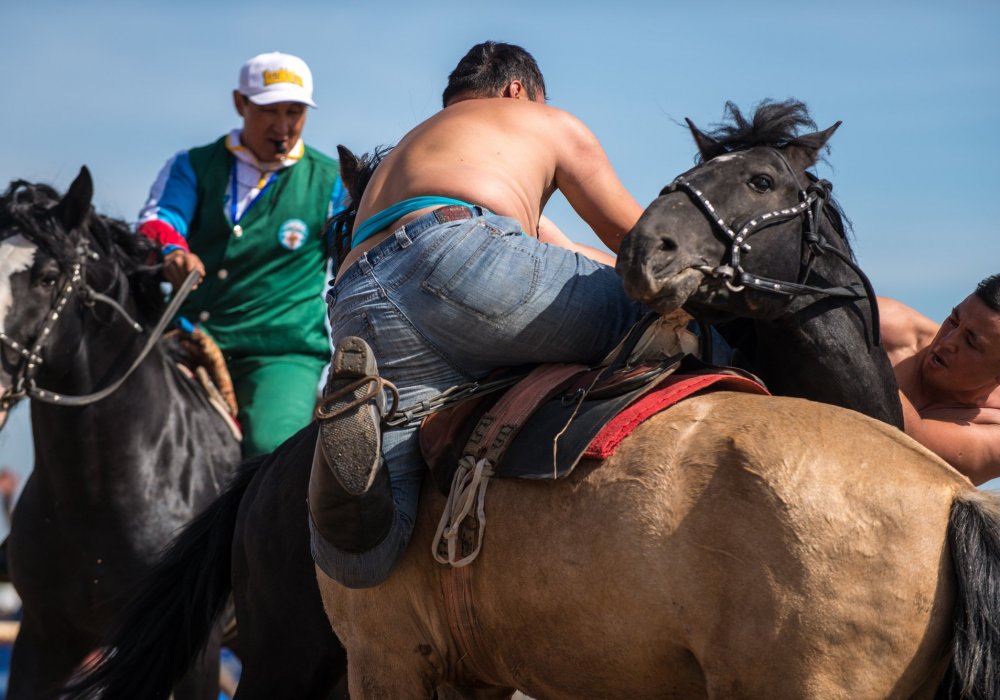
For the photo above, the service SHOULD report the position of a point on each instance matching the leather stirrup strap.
(498, 426)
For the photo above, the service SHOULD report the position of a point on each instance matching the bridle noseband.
(76, 285)
(811, 204)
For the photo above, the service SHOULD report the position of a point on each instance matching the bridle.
(76, 285)
(810, 207)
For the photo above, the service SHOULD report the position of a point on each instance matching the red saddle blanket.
(673, 389)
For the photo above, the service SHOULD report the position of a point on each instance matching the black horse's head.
(56, 255)
(741, 213)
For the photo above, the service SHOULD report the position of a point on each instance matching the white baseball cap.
(276, 77)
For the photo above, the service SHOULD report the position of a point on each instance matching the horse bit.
(31, 358)
(812, 201)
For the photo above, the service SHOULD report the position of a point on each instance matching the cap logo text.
(282, 75)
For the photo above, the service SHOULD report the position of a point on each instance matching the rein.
(810, 208)
(24, 377)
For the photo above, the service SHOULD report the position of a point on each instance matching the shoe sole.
(351, 441)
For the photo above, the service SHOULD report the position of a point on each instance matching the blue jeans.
(446, 303)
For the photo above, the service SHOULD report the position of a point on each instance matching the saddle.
(544, 425)
(199, 359)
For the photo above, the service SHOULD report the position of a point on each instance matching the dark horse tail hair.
(166, 624)
(974, 540)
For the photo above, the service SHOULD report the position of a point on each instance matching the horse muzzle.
(653, 273)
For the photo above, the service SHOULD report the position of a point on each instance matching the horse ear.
(804, 150)
(707, 146)
(348, 167)
(73, 208)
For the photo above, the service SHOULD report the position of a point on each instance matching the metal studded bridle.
(76, 285)
(810, 207)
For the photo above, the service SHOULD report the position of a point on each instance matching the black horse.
(127, 448)
(194, 577)
(750, 233)
(253, 542)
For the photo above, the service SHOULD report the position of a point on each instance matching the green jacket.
(262, 292)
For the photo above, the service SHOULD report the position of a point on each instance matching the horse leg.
(41, 662)
(201, 680)
(285, 642)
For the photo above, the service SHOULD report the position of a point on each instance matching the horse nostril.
(668, 245)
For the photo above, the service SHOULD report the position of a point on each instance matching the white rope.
(468, 490)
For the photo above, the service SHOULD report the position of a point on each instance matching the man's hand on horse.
(179, 264)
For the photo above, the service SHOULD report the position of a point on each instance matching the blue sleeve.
(338, 197)
(173, 198)
(338, 203)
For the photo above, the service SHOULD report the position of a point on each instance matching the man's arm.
(904, 330)
(967, 438)
(169, 210)
(548, 232)
(585, 176)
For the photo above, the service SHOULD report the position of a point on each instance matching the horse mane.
(341, 225)
(776, 124)
(30, 208)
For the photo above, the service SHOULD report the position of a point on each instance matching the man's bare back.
(509, 156)
(949, 381)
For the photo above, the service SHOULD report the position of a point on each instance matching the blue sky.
(121, 86)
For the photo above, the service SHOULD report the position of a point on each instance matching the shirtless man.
(453, 273)
(949, 378)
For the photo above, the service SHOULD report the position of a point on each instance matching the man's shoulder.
(205, 149)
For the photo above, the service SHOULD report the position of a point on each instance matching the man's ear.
(239, 101)
(515, 89)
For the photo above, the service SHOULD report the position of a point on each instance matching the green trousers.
(276, 396)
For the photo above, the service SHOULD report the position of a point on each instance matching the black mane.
(30, 209)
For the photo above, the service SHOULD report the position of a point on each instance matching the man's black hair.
(989, 292)
(491, 66)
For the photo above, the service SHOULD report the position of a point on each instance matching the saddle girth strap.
(456, 585)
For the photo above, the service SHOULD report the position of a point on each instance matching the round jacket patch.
(293, 234)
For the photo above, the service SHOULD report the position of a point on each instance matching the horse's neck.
(109, 444)
(824, 352)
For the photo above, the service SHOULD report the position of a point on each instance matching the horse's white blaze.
(17, 254)
(727, 156)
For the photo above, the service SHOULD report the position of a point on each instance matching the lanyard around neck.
(234, 192)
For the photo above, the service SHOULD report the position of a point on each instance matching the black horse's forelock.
(773, 123)
(29, 209)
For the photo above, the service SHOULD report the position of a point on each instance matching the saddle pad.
(560, 433)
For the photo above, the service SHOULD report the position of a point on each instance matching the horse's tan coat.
(735, 546)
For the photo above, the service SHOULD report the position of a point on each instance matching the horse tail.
(974, 539)
(167, 622)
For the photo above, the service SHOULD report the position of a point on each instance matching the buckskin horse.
(127, 448)
(734, 545)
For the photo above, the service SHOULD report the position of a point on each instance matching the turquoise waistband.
(376, 223)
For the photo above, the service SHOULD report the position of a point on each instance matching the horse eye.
(48, 281)
(761, 183)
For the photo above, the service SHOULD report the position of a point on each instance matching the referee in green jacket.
(247, 212)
